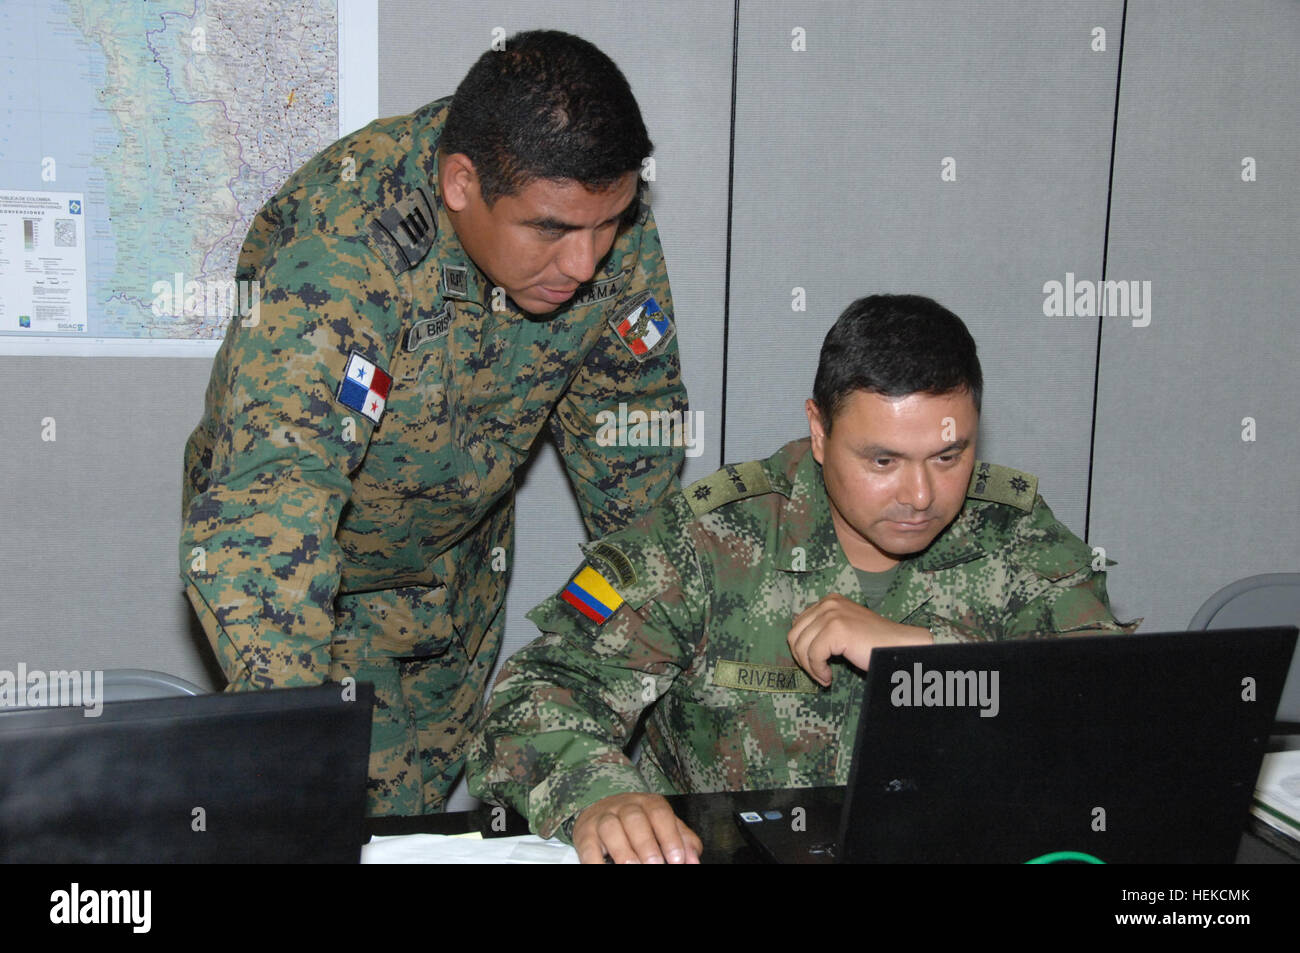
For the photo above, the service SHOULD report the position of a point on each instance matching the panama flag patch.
(364, 387)
(643, 326)
(591, 595)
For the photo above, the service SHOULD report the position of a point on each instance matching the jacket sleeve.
(564, 707)
(267, 470)
(618, 473)
(1047, 585)
(1073, 604)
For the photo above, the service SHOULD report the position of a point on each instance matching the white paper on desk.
(1277, 792)
(444, 849)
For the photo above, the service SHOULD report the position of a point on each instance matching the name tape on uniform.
(749, 677)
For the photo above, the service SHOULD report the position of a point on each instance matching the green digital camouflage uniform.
(711, 581)
(317, 544)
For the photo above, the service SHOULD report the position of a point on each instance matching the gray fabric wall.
(89, 566)
(839, 151)
(837, 191)
(1188, 504)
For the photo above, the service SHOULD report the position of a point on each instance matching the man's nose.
(917, 487)
(579, 255)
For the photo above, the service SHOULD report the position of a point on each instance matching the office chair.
(129, 684)
(1267, 599)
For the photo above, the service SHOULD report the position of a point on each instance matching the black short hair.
(548, 106)
(895, 345)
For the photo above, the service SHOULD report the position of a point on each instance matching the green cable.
(1057, 856)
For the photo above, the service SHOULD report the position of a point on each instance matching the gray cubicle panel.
(1197, 466)
(89, 564)
(841, 154)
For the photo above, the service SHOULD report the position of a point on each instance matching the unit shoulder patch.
(644, 328)
(998, 484)
(733, 482)
(612, 563)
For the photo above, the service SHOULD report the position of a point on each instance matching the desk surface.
(711, 816)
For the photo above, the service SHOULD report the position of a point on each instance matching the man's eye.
(882, 461)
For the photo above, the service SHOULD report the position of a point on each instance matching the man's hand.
(839, 626)
(634, 829)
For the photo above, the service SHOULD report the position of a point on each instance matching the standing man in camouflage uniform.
(744, 607)
(434, 289)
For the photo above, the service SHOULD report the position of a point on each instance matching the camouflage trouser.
(426, 709)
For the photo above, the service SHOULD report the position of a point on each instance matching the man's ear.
(459, 181)
(815, 429)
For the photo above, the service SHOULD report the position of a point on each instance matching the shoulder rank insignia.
(590, 594)
(405, 231)
(364, 387)
(1003, 485)
(642, 326)
(733, 482)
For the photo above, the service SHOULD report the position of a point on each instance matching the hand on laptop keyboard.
(634, 828)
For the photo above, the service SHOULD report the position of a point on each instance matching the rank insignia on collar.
(455, 281)
(642, 326)
(364, 387)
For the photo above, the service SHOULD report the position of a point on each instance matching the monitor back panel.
(270, 776)
(1134, 748)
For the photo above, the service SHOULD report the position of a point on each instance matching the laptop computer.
(248, 777)
(1111, 749)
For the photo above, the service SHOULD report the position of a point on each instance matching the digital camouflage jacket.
(704, 590)
(349, 490)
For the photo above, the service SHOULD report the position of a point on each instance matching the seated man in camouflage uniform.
(742, 609)
(437, 288)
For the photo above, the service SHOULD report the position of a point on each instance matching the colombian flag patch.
(591, 595)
